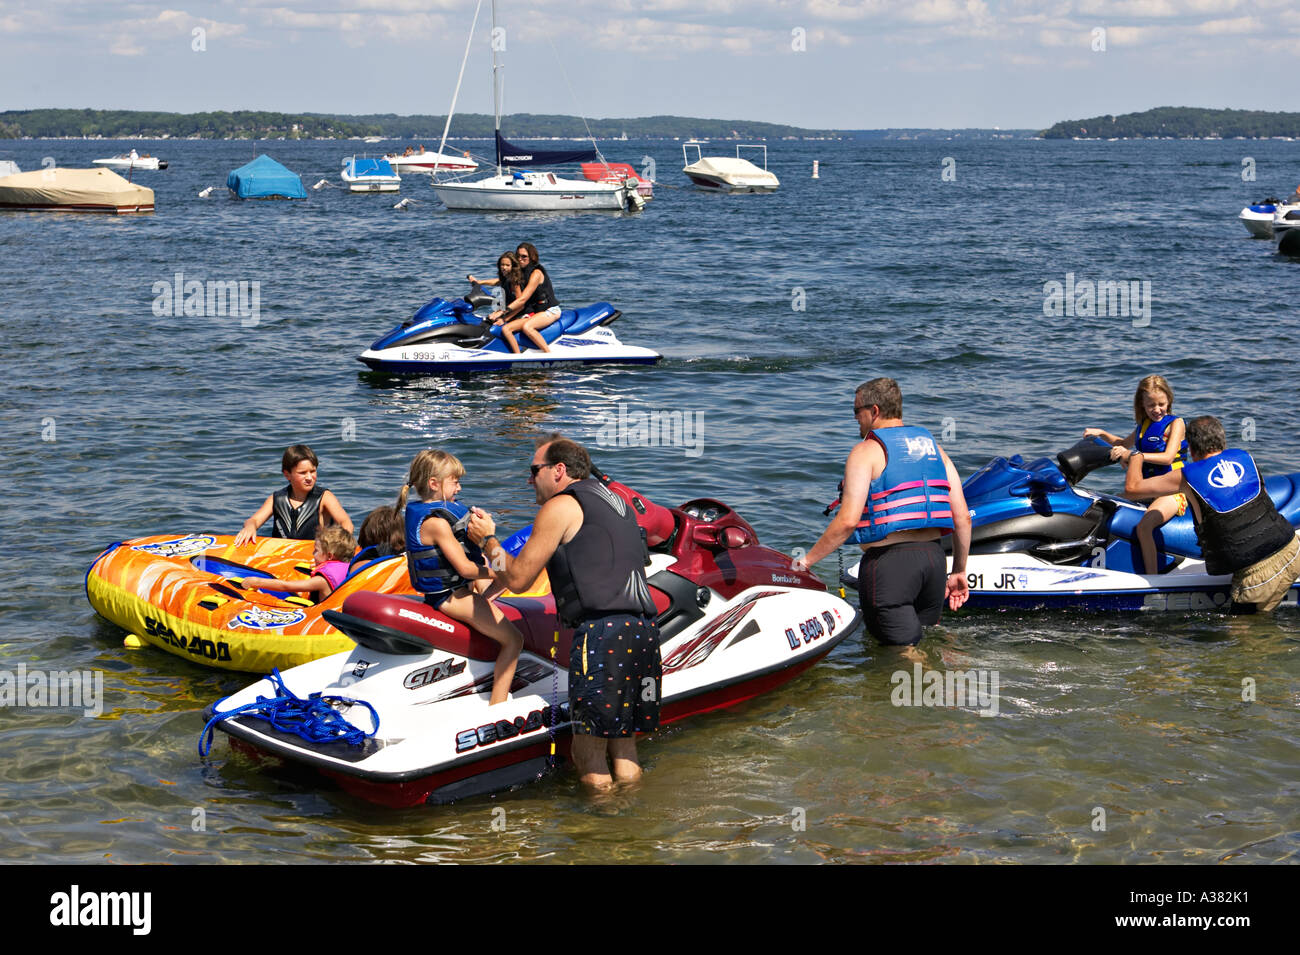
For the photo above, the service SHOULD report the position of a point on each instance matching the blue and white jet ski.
(1039, 542)
(445, 336)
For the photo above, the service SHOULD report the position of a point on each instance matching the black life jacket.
(544, 295)
(1238, 524)
(296, 523)
(602, 570)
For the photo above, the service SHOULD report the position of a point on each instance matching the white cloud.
(1236, 25)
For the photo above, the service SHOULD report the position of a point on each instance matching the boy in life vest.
(299, 507)
(1239, 530)
(334, 548)
(901, 494)
(443, 562)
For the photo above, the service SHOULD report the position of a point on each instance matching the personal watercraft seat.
(572, 321)
(401, 623)
(1178, 536)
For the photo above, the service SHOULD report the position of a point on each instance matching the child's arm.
(316, 585)
(248, 533)
(330, 506)
(1109, 438)
(438, 532)
(1174, 435)
(483, 281)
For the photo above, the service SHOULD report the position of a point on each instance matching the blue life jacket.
(430, 571)
(1238, 524)
(912, 491)
(1151, 440)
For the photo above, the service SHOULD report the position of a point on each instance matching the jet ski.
(735, 619)
(445, 336)
(1040, 542)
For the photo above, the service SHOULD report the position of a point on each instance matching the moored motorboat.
(132, 160)
(426, 161)
(369, 175)
(727, 173)
(735, 621)
(446, 336)
(619, 172)
(264, 178)
(1039, 542)
(1260, 218)
(74, 190)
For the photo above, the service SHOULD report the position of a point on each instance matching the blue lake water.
(769, 310)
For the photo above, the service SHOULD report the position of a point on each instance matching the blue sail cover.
(264, 178)
(371, 167)
(508, 154)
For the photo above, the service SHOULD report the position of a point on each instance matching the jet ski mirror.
(477, 296)
(1083, 458)
(705, 536)
(735, 537)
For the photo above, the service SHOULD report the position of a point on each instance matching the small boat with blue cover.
(370, 175)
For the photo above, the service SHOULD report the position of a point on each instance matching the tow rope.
(313, 718)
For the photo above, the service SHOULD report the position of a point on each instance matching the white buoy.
(815, 176)
(404, 204)
(205, 193)
(319, 184)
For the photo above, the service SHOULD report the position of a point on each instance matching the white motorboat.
(1285, 220)
(1260, 218)
(513, 191)
(727, 173)
(430, 162)
(8, 168)
(132, 160)
(369, 175)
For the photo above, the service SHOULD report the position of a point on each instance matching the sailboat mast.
(496, 85)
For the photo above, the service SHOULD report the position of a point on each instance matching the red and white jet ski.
(736, 621)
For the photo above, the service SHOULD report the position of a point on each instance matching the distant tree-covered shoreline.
(250, 124)
(1180, 122)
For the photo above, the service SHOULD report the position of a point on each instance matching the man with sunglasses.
(901, 493)
(588, 540)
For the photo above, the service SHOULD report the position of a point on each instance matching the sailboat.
(513, 191)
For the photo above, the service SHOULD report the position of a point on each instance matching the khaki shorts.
(1265, 584)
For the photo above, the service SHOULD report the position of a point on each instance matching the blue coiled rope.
(313, 719)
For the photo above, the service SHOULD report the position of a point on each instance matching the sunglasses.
(534, 468)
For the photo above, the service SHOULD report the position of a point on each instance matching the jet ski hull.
(735, 621)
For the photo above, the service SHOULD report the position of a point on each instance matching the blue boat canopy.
(264, 178)
(370, 167)
(508, 154)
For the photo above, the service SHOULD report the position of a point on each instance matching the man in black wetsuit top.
(588, 540)
(1239, 529)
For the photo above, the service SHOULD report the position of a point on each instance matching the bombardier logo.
(1226, 474)
(427, 621)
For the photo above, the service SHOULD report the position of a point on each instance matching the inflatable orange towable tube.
(184, 595)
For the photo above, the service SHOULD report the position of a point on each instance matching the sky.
(833, 64)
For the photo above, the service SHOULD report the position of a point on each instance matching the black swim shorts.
(901, 589)
(615, 676)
